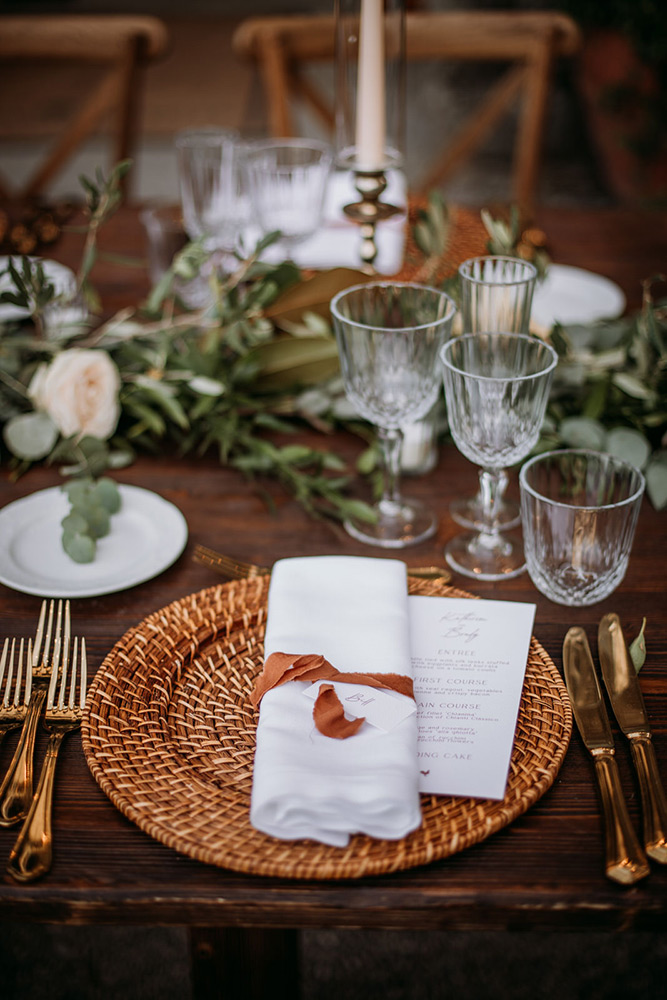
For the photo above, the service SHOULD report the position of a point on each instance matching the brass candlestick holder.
(369, 211)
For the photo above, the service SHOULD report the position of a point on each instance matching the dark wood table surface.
(544, 871)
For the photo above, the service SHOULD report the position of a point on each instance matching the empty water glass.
(579, 511)
(287, 181)
(210, 179)
(496, 296)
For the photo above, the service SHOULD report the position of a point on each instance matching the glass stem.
(492, 485)
(390, 442)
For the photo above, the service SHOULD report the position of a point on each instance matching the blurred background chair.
(119, 46)
(528, 42)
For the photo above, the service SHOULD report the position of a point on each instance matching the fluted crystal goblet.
(496, 296)
(389, 338)
(496, 390)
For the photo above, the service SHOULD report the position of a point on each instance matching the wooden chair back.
(527, 41)
(120, 45)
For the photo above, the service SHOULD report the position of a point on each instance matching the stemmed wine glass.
(287, 180)
(496, 296)
(496, 390)
(210, 181)
(389, 337)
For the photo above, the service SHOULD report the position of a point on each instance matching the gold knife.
(624, 859)
(622, 683)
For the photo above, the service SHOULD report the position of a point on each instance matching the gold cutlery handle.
(624, 859)
(654, 802)
(33, 851)
(16, 789)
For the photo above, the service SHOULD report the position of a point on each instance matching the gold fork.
(17, 787)
(32, 853)
(13, 707)
(234, 569)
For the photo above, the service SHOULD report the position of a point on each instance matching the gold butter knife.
(622, 683)
(625, 860)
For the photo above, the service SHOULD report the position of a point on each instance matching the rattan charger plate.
(169, 735)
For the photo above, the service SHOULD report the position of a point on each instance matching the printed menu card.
(468, 662)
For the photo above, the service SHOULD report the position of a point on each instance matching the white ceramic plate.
(63, 279)
(572, 295)
(147, 534)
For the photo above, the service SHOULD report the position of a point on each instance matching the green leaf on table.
(638, 648)
(30, 436)
(629, 445)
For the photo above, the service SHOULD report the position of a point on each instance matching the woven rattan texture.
(169, 734)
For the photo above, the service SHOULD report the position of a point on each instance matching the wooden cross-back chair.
(528, 41)
(120, 45)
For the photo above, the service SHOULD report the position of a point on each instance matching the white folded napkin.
(354, 612)
(337, 241)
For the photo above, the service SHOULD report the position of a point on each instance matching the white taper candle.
(370, 136)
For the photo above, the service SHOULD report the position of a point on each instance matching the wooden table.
(544, 871)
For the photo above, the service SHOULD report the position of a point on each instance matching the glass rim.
(498, 378)
(449, 314)
(259, 145)
(532, 275)
(587, 453)
(209, 135)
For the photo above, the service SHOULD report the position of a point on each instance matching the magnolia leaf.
(629, 445)
(656, 483)
(638, 648)
(582, 432)
(314, 294)
(79, 547)
(30, 436)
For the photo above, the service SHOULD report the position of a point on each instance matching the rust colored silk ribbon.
(328, 714)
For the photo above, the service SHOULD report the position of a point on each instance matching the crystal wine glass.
(496, 390)
(389, 337)
(496, 295)
(287, 180)
(210, 178)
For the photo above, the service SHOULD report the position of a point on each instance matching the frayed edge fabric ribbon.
(328, 713)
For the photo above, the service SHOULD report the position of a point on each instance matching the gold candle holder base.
(369, 211)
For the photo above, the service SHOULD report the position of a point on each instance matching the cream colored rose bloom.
(79, 391)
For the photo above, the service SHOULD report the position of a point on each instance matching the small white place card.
(468, 661)
(381, 708)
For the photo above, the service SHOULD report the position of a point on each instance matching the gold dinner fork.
(234, 569)
(33, 851)
(14, 703)
(50, 640)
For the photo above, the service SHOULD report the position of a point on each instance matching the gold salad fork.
(234, 569)
(14, 702)
(50, 640)
(33, 851)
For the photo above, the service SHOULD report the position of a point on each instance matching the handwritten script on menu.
(468, 661)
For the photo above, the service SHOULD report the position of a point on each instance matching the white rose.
(79, 391)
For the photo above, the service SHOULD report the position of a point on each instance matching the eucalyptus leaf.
(81, 548)
(107, 493)
(582, 432)
(656, 483)
(629, 445)
(30, 436)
